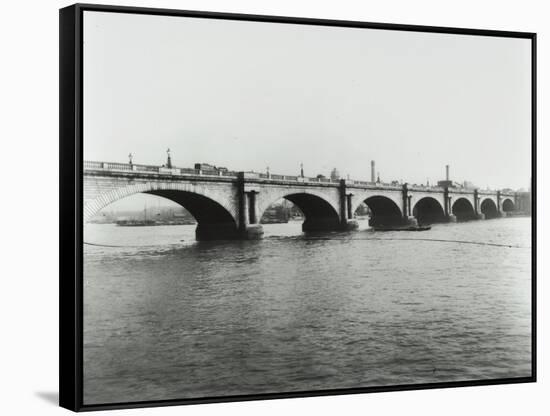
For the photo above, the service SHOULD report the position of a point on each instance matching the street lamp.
(168, 159)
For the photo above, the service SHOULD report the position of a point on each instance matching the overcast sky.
(248, 95)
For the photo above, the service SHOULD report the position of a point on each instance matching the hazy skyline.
(248, 95)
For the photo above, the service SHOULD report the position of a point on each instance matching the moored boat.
(135, 223)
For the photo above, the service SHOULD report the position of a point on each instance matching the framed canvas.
(257, 207)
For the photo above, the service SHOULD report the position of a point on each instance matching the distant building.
(450, 184)
(446, 184)
(281, 212)
(362, 210)
(277, 213)
(334, 175)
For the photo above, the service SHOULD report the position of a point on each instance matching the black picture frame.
(71, 202)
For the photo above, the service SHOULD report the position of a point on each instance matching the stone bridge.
(229, 205)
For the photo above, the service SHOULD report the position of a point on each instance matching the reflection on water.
(166, 317)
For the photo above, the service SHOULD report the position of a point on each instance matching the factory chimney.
(447, 172)
(372, 175)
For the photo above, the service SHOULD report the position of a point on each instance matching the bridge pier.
(449, 216)
(478, 215)
(249, 226)
(408, 217)
(500, 212)
(347, 223)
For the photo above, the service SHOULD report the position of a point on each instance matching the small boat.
(403, 228)
(145, 222)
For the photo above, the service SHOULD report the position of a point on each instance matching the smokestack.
(372, 175)
(447, 170)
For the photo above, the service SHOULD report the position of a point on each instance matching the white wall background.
(29, 205)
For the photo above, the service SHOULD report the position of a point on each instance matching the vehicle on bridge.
(208, 168)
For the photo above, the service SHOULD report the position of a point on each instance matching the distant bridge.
(229, 205)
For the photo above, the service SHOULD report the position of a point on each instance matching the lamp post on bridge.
(130, 157)
(168, 159)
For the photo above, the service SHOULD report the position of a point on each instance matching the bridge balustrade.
(291, 178)
(118, 166)
(93, 165)
(425, 188)
(318, 180)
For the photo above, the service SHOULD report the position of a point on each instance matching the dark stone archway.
(384, 211)
(508, 205)
(463, 210)
(319, 214)
(489, 208)
(428, 211)
(214, 221)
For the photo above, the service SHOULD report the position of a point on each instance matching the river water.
(166, 317)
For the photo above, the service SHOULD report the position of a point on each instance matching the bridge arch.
(428, 210)
(216, 216)
(384, 210)
(320, 213)
(508, 205)
(463, 209)
(488, 207)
